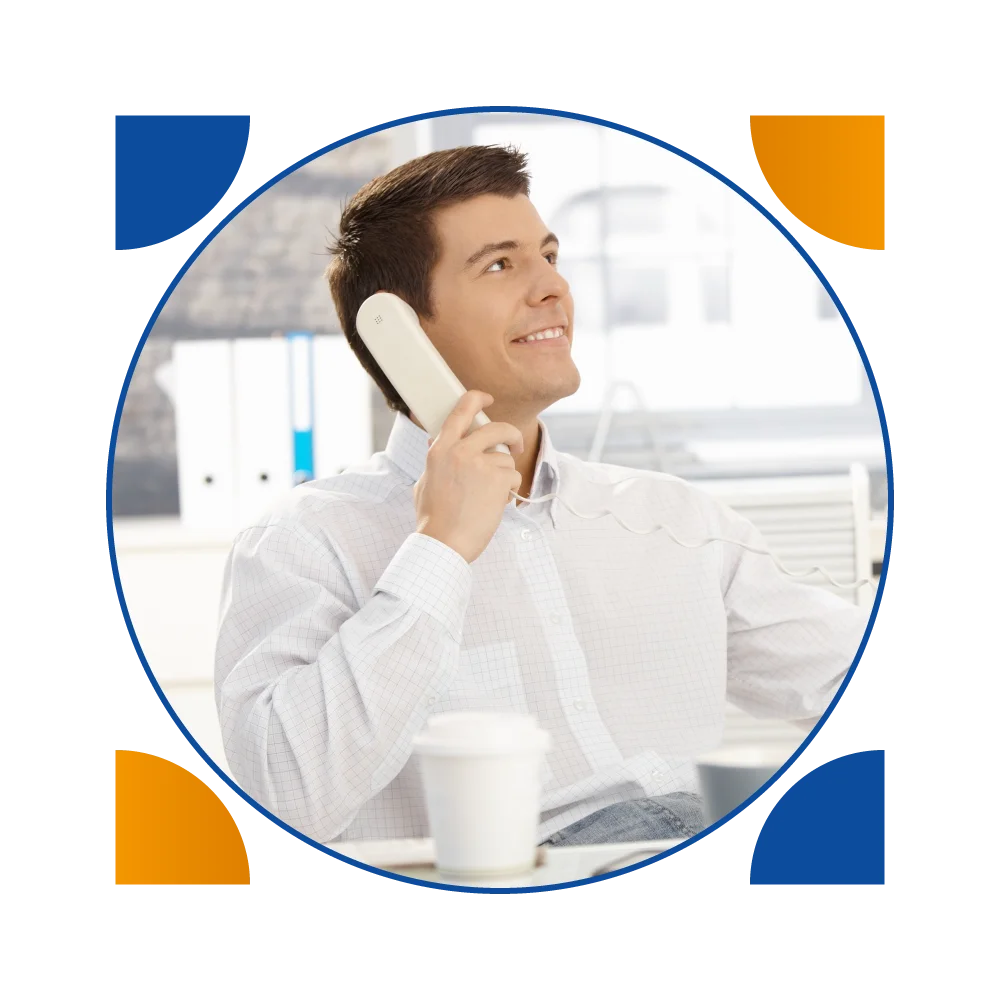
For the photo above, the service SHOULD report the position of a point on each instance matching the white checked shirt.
(342, 630)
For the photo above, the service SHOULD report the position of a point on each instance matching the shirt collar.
(407, 450)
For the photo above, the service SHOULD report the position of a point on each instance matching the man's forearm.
(319, 702)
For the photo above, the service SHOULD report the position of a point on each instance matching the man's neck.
(526, 461)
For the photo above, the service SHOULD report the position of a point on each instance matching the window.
(715, 292)
(627, 211)
(638, 294)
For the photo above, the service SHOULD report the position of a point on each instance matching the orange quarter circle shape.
(171, 828)
(828, 171)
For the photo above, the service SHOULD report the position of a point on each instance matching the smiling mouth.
(551, 333)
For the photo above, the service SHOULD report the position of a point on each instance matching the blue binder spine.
(300, 347)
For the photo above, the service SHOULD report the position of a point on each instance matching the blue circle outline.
(656, 142)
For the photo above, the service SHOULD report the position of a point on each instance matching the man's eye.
(552, 257)
(496, 263)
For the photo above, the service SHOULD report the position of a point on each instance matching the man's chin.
(552, 393)
(570, 384)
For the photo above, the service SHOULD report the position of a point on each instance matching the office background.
(707, 349)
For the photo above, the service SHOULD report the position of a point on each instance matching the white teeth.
(549, 334)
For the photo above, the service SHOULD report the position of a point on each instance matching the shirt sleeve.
(320, 694)
(790, 643)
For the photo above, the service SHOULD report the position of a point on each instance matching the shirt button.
(579, 704)
(555, 619)
(526, 534)
(657, 774)
(431, 699)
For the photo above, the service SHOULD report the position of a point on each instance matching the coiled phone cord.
(695, 545)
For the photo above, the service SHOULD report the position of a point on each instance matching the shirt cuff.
(433, 578)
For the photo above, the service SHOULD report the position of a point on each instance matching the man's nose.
(547, 283)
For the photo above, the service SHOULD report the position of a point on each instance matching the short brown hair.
(387, 239)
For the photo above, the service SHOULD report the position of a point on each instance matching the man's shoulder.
(605, 472)
(647, 488)
(579, 470)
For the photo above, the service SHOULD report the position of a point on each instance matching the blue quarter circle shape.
(171, 171)
(828, 828)
(556, 114)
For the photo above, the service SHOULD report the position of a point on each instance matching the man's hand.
(461, 496)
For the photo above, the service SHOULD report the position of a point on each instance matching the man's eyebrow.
(491, 248)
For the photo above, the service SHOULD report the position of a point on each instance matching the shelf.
(136, 534)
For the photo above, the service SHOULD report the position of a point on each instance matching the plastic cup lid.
(481, 733)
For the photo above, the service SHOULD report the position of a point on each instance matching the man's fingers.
(500, 459)
(492, 434)
(458, 422)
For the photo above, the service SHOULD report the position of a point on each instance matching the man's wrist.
(432, 577)
(445, 537)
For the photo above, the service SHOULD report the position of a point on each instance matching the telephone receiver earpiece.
(391, 330)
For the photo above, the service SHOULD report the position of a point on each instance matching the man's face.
(496, 282)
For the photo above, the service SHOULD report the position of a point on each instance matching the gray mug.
(730, 775)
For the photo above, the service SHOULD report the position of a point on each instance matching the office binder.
(203, 411)
(342, 407)
(257, 416)
(300, 353)
(263, 428)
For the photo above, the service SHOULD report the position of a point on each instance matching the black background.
(138, 718)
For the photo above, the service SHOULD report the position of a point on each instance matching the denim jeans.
(663, 817)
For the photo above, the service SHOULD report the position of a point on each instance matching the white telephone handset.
(392, 332)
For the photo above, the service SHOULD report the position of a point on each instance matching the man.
(413, 584)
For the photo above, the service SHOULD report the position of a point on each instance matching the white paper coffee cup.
(730, 775)
(482, 777)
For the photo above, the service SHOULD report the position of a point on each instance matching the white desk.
(414, 858)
